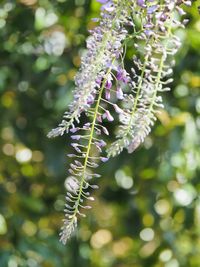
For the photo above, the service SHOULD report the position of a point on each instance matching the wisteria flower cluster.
(106, 91)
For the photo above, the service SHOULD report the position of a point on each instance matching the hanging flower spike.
(104, 44)
(88, 147)
(160, 45)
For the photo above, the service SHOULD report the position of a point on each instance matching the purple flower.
(78, 163)
(101, 143)
(103, 159)
(75, 146)
(122, 75)
(76, 137)
(107, 94)
(119, 93)
(102, 1)
(108, 7)
(98, 81)
(74, 130)
(105, 130)
(98, 132)
(117, 109)
(148, 32)
(108, 84)
(141, 3)
(90, 100)
(152, 9)
(108, 116)
(99, 118)
(71, 155)
(86, 126)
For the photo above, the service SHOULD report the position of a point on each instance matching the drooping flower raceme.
(156, 47)
(103, 47)
(105, 91)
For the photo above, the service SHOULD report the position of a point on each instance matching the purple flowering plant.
(105, 90)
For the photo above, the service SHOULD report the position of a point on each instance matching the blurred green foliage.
(147, 211)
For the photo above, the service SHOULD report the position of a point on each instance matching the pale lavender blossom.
(104, 46)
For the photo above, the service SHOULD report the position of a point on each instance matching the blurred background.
(147, 211)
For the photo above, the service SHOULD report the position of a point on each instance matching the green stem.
(137, 95)
(160, 68)
(91, 137)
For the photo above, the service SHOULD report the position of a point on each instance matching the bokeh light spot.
(10, 187)
(183, 196)
(37, 156)
(172, 263)
(12, 263)
(122, 247)
(181, 90)
(100, 238)
(148, 220)
(148, 249)
(29, 228)
(3, 225)
(165, 255)
(162, 207)
(8, 149)
(123, 180)
(7, 133)
(147, 234)
(23, 155)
